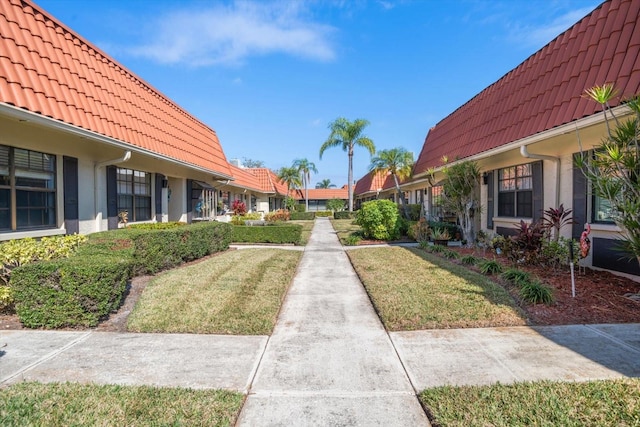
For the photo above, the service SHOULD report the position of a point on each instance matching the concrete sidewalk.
(329, 360)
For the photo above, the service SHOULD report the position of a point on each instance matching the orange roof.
(48, 69)
(321, 193)
(546, 90)
(268, 181)
(244, 179)
(372, 182)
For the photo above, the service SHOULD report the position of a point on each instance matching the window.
(515, 191)
(27, 189)
(435, 209)
(134, 194)
(601, 210)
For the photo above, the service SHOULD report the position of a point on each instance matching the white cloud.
(229, 34)
(538, 36)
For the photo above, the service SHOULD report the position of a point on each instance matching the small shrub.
(536, 293)
(451, 228)
(238, 207)
(352, 240)
(437, 248)
(344, 215)
(323, 214)
(490, 267)
(238, 220)
(420, 231)
(440, 234)
(252, 216)
(526, 246)
(279, 215)
(555, 254)
(336, 205)
(157, 225)
(289, 233)
(469, 260)
(6, 298)
(303, 216)
(516, 276)
(448, 253)
(379, 219)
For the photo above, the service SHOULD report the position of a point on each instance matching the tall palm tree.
(347, 135)
(305, 167)
(399, 163)
(290, 177)
(325, 183)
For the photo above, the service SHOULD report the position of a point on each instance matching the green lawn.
(67, 404)
(236, 292)
(307, 226)
(544, 403)
(344, 228)
(414, 290)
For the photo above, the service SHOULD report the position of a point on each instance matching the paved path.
(329, 360)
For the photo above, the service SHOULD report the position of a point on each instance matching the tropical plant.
(291, 178)
(490, 267)
(469, 260)
(305, 167)
(335, 204)
(420, 231)
(440, 234)
(535, 292)
(556, 218)
(461, 195)
(325, 183)
(397, 162)
(516, 276)
(239, 207)
(613, 170)
(347, 135)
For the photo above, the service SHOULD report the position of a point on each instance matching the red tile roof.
(48, 69)
(545, 91)
(268, 181)
(372, 182)
(243, 178)
(321, 193)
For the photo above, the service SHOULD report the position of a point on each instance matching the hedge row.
(324, 213)
(80, 290)
(344, 215)
(303, 215)
(290, 233)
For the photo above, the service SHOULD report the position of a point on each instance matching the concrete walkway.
(329, 360)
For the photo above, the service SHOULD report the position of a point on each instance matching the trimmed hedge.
(80, 290)
(324, 213)
(76, 291)
(344, 215)
(291, 233)
(303, 216)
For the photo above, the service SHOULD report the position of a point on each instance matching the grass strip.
(543, 403)
(68, 404)
(237, 292)
(307, 226)
(414, 290)
(344, 228)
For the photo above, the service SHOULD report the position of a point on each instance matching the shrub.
(324, 214)
(526, 246)
(15, 253)
(336, 204)
(413, 210)
(279, 215)
(451, 228)
(448, 253)
(403, 226)
(420, 231)
(76, 291)
(237, 220)
(535, 293)
(379, 219)
(156, 250)
(298, 216)
(344, 215)
(238, 207)
(6, 298)
(157, 225)
(490, 267)
(352, 240)
(252, 216)
(290, 233)
(300, 208)
(555, 254)
(516, 276)
(469, 260)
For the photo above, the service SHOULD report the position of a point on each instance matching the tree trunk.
(350, 177)
(401, 197)
(306, 193)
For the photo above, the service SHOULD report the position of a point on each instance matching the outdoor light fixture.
(485, 178)
(165, 183)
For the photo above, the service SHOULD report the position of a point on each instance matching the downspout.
(97, 166)
(527, 155)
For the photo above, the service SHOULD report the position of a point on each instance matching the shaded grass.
(413, 290)
(67, 404)
(237, 292)
(543, 403)
(345, 228)
(307, 226)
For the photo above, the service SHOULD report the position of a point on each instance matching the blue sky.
(269, 76)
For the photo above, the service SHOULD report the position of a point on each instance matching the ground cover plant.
(543, 403)
(236, 292)
(67, 404)
(413, 290)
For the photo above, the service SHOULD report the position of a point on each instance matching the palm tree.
(305, 167)
(325, 183)
(290, 177)
(347, 135)
(399, 163)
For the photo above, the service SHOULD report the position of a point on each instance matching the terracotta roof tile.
(48, 69)
(545, 91)
(371, 183)
(321, 193)
(245, 179)
(268, 181)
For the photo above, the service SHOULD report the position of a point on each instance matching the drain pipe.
(97, 166)
(524, 153)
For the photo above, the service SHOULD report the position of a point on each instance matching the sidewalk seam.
(612, 338)
(45, 358)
